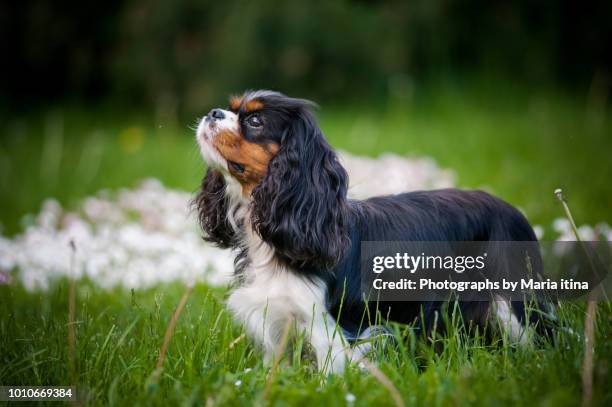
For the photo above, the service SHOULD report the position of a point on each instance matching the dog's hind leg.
(503, 316)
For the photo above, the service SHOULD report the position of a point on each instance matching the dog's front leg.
(266, 322)
(332, 351)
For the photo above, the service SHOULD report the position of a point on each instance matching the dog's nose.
(216, 114)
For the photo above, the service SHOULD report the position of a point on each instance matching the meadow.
(210, 362)
(517, 143)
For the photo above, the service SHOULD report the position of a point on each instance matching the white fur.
(273, 296)
(509, 323)
(208, 130)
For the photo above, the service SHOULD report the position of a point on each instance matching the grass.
(520, 145)
(209, 360)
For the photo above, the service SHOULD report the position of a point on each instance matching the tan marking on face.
(252, 156)
(235, 102)
(253, 105)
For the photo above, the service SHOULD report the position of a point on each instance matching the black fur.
(442, 215)
(301, 209)
(211, 203)
(300, 206)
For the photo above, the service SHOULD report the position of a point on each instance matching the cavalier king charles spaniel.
(276, 193)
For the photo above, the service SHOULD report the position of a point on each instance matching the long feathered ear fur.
(211, 203)
(300, 206)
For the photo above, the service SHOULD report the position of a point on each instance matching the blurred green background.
(512, 96)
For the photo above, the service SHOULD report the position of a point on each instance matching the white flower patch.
(586, 232)
(135, 239)
(138, 238)
(391, 174)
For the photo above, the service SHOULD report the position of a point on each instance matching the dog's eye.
(237, 167)
(254, 121)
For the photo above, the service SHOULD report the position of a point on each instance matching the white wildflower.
(539, 231)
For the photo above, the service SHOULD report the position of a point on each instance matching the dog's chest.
(273, 290)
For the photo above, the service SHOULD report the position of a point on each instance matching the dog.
(275, 192)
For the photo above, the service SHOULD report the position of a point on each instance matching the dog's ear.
(211, 204)
(300, 205)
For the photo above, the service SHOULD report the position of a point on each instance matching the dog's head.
(289, 176)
